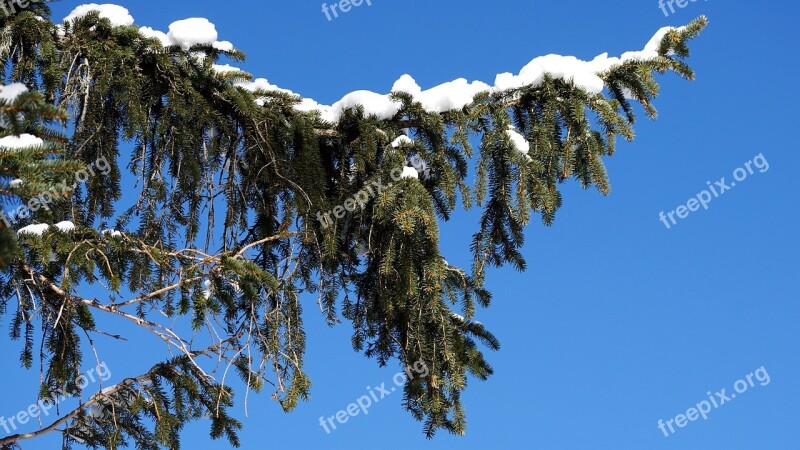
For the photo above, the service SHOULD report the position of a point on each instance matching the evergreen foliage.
(224, 232)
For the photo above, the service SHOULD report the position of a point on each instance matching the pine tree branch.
(155, 294)
(161, 331)
(100, 395)
(283, 235)
(206, 260)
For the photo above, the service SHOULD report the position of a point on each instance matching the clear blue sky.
(618, 322)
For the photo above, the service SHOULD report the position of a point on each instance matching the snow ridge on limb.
(592, 76)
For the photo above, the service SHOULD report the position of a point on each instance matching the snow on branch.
(448, 96)
(459, 93)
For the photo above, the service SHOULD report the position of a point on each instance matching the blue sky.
(619, 321)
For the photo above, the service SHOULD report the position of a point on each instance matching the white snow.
(12, 91)
(373, 103)
(224, 68)
(650, 50)
(96, 411)
(65, 226)
(112, 233)
(406, 84)
(409, 172)
(401, 141)
(207, 289)
(108, 389)
(459, 93)
(160, 35)
(36, 230)
(20, 142)
(261, 84)
(118, 15)
(519, 141)
(582, 73)
(236, 287)
(15, 183)
(627, 93)
(187, 33)
(224, 46)
(191, 32)
(455, 94)
(447, 96)
(325, 111)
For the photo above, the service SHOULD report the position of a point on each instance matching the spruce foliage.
(223, 233)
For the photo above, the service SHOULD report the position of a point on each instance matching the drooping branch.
(107, 393)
